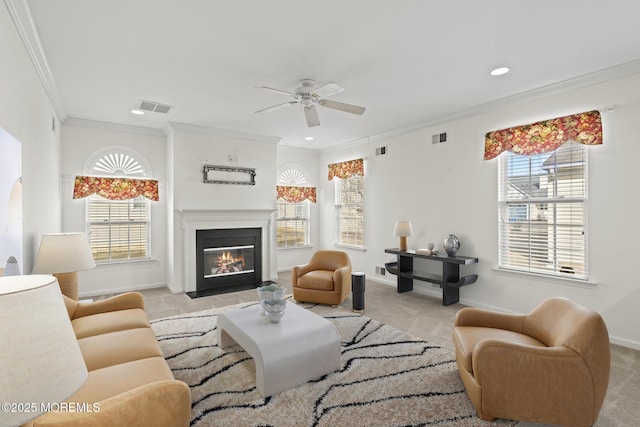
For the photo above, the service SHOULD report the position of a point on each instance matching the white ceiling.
(409, 62)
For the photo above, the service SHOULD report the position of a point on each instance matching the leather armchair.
(549, 366)
(325, 279)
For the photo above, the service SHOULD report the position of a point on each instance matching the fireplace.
(187, 269)
(228, 260)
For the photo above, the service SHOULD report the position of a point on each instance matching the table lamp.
(63, 255)
(403, 229)
(40, 358)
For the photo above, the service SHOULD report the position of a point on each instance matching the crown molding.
(590, 79)
(297, 149)
(114, 127)
(21, 15)
(224, 133)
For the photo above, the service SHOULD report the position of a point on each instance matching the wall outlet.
(380, 270)
(232, 158)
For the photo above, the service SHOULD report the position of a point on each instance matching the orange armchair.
(326, 279)
(549, 366)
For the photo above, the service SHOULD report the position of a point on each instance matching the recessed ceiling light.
(308, 138)
(138, 112)
(500, 71)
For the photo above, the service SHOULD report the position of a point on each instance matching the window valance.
(294, 194)
(115, 188)
(545, 136)
(346, 169)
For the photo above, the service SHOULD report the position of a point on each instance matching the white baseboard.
(111, 291)
(623, 342)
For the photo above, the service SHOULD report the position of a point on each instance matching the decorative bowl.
(274, 308)
(273, 291)
(272, 302)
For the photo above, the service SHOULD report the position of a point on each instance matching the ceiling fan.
(307, 95)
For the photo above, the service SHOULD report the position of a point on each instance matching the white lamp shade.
(40, 358)
(63, 253)
(403, 228)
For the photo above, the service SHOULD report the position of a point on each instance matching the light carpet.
(387, 378)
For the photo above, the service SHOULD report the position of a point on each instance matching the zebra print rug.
(387, 378)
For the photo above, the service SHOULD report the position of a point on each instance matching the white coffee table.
(302, 347)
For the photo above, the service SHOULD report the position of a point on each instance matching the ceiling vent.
(155, 107)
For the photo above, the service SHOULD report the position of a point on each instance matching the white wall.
(441, 189)
(448, 188)
(81, 139)
(308, 160)
(192, 147)
(27, 114)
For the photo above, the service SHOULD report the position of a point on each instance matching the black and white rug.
(387, 378)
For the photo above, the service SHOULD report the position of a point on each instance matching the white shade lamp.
(403, 229)
(40, 358)
(63, 255)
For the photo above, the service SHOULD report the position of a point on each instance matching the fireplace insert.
(228, 260)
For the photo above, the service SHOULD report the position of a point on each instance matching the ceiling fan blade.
(283, 92)
(328, 90)
(353, 109)
(276, 107)
(311, 114)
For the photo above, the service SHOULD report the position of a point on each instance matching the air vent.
(439, 138)
(381, 151)
(155, 107)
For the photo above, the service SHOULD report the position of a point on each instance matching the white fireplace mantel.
(208, 219)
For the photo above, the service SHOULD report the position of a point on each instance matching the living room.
(441, 188)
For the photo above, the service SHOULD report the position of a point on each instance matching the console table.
(450, 280)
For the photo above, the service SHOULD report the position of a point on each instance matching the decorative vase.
(451, 245)
(272, 301)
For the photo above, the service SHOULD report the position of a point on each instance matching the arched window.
(118, 230)
(292, 223)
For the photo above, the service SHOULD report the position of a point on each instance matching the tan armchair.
(549, 366)
(326, 279)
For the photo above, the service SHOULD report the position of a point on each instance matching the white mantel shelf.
(225, 214)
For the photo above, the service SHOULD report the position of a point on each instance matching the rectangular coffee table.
(302, 347)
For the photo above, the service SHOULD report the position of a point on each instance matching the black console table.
(450, 281)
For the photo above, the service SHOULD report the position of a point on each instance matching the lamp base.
(68, 284)
(403, 243)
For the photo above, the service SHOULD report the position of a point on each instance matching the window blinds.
(118, 228)
(542, 212)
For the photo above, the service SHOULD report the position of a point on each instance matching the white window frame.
(118, 161)
(542, 214)
(347, 236)
(299, 221)
(127, 226)
(292, 174)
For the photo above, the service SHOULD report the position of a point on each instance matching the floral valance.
(295, 194)
(545, 136)
(346, 169)
(115, 188)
